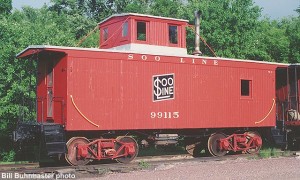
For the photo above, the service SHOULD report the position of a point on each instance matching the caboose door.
(51, 87)
(293, 77)
(287, 93)
(287, 109)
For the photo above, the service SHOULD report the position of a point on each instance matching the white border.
(153, 86)
(157, 54)
(141, 15)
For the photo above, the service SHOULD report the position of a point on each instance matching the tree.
(6, 6)
(228, 26)
(272, 39)
(17, 77)
(293, 34)
(92, 9)
(298, 10)
(167, 8)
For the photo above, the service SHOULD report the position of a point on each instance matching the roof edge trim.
(141, 15)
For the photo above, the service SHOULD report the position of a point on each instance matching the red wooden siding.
(116, 93)
(157, 31)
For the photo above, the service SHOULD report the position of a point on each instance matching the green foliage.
(17, 77)
(272, 40)
(228, 26)
(8, 156)
(144, 164)
(5, 6)
(293, 35)
(269, 153)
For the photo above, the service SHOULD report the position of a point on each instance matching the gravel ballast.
(242, 168)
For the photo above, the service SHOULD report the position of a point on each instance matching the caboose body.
(87, 90)
(142, 82)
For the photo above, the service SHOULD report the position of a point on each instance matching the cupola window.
(125, 29)
(105, 34)
(141, 31)
(173, 37)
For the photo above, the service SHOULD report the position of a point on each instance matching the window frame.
(105, 34)
(246, 92)
(50, 88)
(125, 32)
(146, 31)
(177, 35)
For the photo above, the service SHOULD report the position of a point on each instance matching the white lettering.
(171, 90)
(181, 60)
(216, 62)
(170, 81)
(65, 176)
(167, 90)
(130, 56)
(204, 61)
(144, 57)
(193, 61)
(163, 87)
(157, 58)
(175, 115)
(6, 175)
(17, 176)
(164, 115)
(164, 82)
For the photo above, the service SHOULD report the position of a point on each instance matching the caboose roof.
(142, 15)
(34, 49)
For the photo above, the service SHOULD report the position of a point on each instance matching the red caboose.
(142, 82)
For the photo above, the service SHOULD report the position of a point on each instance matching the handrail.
(82, 113)
(257, 122)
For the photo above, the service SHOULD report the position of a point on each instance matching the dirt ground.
(241, 168)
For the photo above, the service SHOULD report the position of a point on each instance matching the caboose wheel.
(71, 156)
(257, 147)
(213, 144)
(126, 139)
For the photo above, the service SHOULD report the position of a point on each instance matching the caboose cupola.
(143, 34)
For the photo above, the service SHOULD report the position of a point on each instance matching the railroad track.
(100, 169)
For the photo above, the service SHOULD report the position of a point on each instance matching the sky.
(274, 9)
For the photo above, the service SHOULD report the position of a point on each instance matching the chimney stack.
(197, 51)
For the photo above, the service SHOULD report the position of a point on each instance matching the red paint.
(157, 31)
(105, 149)
(114, 91)
(45, 61)
(240, 142)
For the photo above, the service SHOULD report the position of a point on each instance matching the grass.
(144, 165)
(13, 162)
(286, 153)
(269, 152)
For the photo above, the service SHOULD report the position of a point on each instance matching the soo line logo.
(163, 87)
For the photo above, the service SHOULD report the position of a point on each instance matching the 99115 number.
(164, 115)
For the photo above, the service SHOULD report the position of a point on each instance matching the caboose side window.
(246, 86)
(105, 34)
(173, 39)
(141, 31)
(125, 29)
